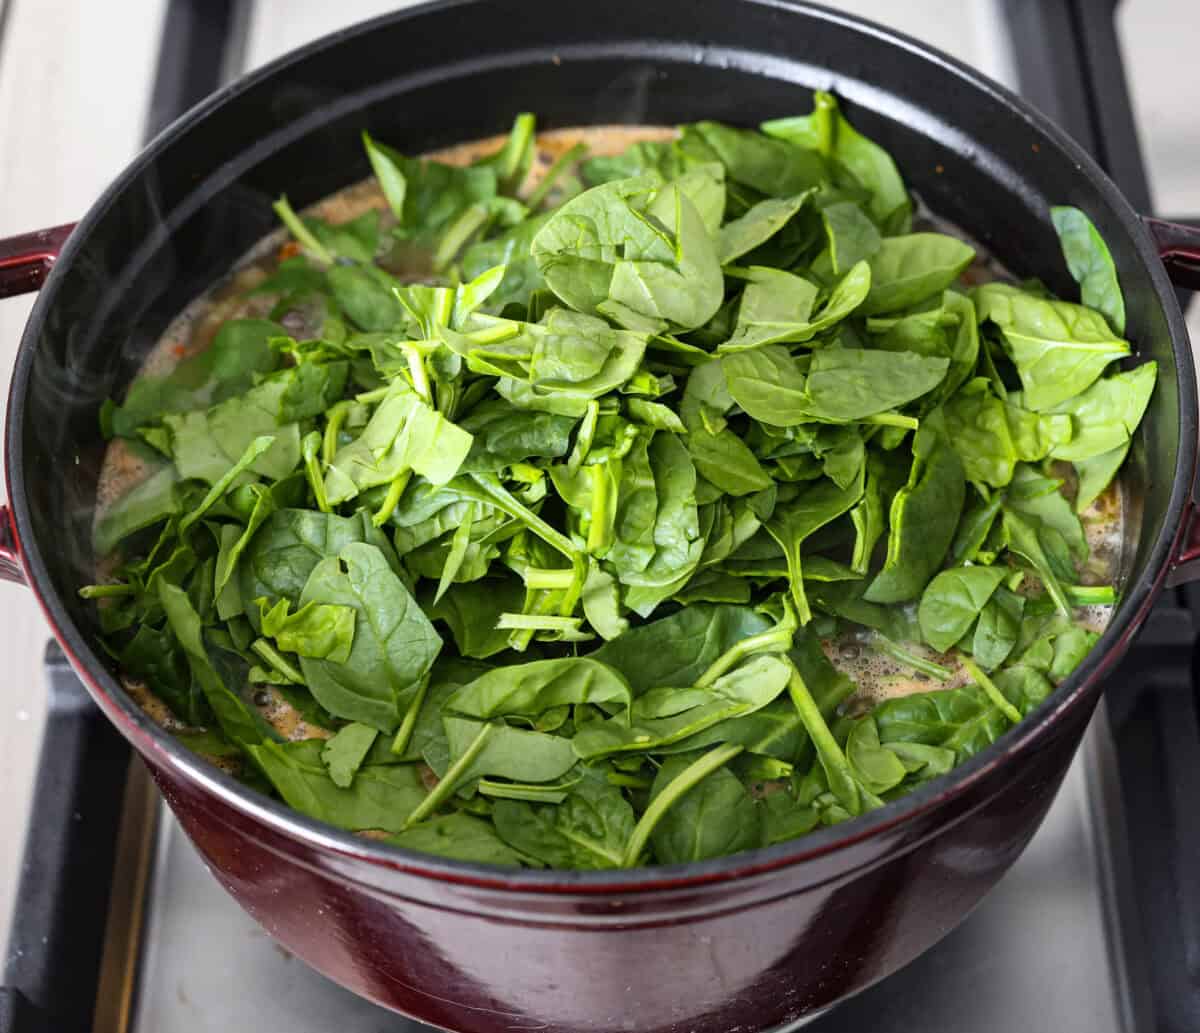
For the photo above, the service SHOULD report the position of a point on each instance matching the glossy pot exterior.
(750, 942)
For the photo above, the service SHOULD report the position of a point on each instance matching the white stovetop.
(74, 82)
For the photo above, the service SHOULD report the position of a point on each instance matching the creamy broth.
(876, 674)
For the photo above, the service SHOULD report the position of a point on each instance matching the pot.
(749, 942)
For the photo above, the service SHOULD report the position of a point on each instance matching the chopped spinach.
(545, 507)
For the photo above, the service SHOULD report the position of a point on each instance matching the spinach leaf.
(791, 524)
(637, 244)
(906, 270)
(1095, 475)
(774, 167)
(291, 542)
(678, 649)
(923, 518)
(394, 643)
(240, 722)
(851, 384)
(998, 628)
(768, 385)
(344, 754)
(1059, 349)
(953, 600)
(778, 307)
(662, 716)
(404, 434)
(227, 367)
(472, 610)
(715, 817)
(852, 236)
(532, 688)
(461, 838)
(1105, 416)
(1091, 264)
(588, 830)
(757, 226)
(827, 131)
(381, 796)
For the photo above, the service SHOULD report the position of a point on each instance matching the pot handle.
(25, 261)
(1179, 248)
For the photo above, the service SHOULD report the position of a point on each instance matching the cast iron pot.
(750, 942)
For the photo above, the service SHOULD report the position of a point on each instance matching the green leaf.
(1105, 416)
(1096, 474)
(792, 523)
(757, 226)
(667, 715)
(852, 236)
(532, 688)
(906, 270)
(923, 518)
(768, 385)
(953, 600)
(344, 753)
(998, 628)
(394, 643)
(381, 796)
(319, 631)
(637, 242)
(678, 649)
(588, 830)
(404, 434)
(1091, 264)
(1059, 349)
(715, 817)
(227, 367)
(238, 720)
(459, 837)
(827, 131)
(850, 384)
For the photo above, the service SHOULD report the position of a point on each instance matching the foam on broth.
(877, 675)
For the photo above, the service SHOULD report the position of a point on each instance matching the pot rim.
(165, 751)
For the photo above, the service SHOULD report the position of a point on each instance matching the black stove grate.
(1068, 63)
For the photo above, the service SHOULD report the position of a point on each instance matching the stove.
(119, 928)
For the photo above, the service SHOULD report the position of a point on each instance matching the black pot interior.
(201, 195)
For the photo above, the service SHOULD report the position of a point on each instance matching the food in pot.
(616, 496)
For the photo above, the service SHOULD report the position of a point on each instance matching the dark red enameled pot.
(750, 942)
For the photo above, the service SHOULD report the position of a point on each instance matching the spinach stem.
(893, 419)
(617, 778)
(534, 622)
(598, 539)
(1091, 595)
(683, 783)
(777, 639)
(849, 792)
(392, 499)
(456, 773)
(275, 659)
(917, 663)
(333, 426)
(541, 577)
(106, 591)
(502, 499)
(404, 733)
(256, 448)
(304, 236)
(997, 697)
(562, 162)
(416, 370)
(456, 236)
(312, 470)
